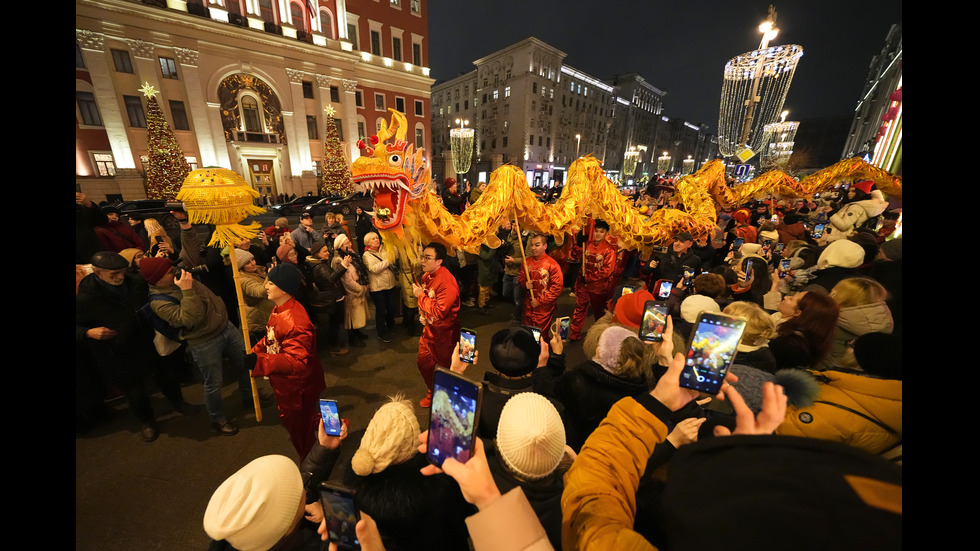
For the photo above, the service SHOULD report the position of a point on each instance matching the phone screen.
(775, 219)
(665, 288)
(341, 515)
(563, 325)
(818, 230)
(331, 417)
(784, 265)
(534, 331)
(688, 276)
(467, 345)
(779, 247)
(748, 271)
(738, 243)
(654, 321)
(452, 418)
(622, 290)
(711, 351)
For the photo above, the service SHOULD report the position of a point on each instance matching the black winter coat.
(588, 392)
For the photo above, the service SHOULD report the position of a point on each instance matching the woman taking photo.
(803, 338)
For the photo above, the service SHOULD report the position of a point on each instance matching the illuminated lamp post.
(780, 138)
(754, 90)
(663, 163)
(578, 142)
(461, 144)
(630, 160)
(687, 165)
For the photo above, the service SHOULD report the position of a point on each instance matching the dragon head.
(392, 172)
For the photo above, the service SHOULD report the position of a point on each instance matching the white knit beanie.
(530, 436)
(254, 507)
(843, 253)
(243, 258)
(695, 304)
(340, 240)
(391, 437)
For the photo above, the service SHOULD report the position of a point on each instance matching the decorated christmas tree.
(167, 166)
(336, 178)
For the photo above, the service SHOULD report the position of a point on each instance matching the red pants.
(436, 348)
(583, 298)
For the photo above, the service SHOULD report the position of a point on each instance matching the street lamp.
(754, 89)
(578, 139)
(663, 163)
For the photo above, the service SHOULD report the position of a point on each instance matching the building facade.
(244, 84)
(529, 108)
(877, 99)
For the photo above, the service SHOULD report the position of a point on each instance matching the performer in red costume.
(288, 356)
(545, 283)
(438, 297)
(593, 283)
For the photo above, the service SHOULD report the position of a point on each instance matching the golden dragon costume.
(409, 213)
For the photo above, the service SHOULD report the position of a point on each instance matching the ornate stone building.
(244, 84)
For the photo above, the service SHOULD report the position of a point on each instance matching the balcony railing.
(255, 137)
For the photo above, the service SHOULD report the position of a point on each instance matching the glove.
(250, 361)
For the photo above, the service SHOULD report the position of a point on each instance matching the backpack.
(158, 323)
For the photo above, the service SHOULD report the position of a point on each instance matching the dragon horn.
(398, 127)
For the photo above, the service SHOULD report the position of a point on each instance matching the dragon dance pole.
(527, 271)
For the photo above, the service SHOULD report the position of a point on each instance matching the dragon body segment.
(409, 213)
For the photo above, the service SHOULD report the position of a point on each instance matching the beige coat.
(355, 312)
(381, 277)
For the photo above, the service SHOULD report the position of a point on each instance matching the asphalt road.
(152, 496)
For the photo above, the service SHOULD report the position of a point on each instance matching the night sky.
(680, 47)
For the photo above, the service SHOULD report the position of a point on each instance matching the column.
(349, 105)
(113, 119)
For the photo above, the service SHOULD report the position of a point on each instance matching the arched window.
(326, 23)
(299, 16)
(251, 113)
(419, 135)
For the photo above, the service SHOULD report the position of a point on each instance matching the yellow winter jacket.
(827, 418)
(599, 502)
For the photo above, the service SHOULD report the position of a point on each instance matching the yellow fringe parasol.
(221, 197)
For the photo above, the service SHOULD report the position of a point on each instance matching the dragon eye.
(395, 159)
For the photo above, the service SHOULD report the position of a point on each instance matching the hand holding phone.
(564, 323)
(467, 345)
(711, 351)
(654, 321)
(340, 515)
(453, 417)
(331, 417)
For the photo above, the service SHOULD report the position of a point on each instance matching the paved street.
(133, 495)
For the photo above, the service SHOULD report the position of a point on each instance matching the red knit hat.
(152, 268)
(629, 308)
(864, 185)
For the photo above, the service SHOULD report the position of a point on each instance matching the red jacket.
(546, 285)
(288, 354)
(116, 237)
(600, 264)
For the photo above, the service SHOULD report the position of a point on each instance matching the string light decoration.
(336, 177)
(630, 160)
(753, 92)
(687, 165)
(167, 167)
(663, 163)
(779, 138)
(461, 144)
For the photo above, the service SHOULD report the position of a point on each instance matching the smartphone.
(563, 325)
(453, 417)
(158, 238)
(663, 293)
(534, 331)
(622, 290)
(688, 276)
(748, 270)
(783, 267)
(654, 321)
(331, 417)
(738, 243)
(766, 246)
(711, 351)
(774, 219)
(818, 230)
(78, 188)
(340, 515)
(779, 247)
(467, 345)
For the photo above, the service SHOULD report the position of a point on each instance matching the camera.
(195, 270)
